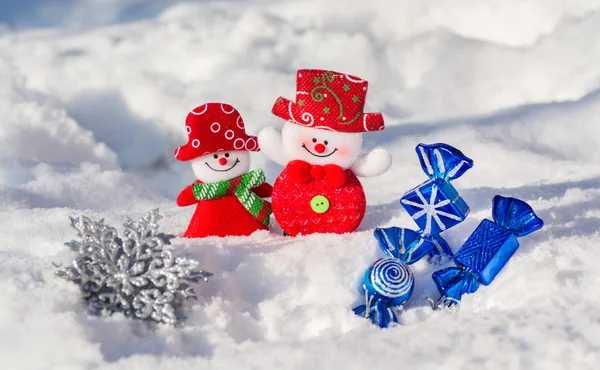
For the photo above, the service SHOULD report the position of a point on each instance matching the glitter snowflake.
(134, 274)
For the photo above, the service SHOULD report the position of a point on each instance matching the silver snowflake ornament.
(133, 273)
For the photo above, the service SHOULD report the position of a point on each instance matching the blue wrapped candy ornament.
(387, 284)
(410, 246)
(435, 205)
(487, 250)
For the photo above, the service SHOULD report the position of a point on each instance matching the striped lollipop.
(389, 279)
(387, 283)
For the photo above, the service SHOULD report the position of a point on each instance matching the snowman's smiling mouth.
(214, 169)
(320, 156)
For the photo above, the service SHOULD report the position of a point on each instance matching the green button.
(319, 204)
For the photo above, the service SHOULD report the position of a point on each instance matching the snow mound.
(32, 128)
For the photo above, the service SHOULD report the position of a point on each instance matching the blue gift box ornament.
(387, 283)
(435, 205)
(487, 250)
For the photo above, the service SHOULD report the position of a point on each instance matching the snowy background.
(93, 97)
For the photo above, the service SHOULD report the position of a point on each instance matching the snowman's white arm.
(373, 163)
(271, 145)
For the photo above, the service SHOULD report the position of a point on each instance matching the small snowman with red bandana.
(228, 196)
(320, 147)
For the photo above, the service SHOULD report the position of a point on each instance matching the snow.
(92, 109)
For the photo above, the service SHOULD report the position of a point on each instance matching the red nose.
(222, 161)
(319, 148)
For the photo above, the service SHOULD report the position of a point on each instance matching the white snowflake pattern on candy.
(430, 210)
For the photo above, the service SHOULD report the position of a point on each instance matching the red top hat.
(329, 100)
(215, 127)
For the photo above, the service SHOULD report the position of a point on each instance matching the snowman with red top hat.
(320, 147)
(228, 196)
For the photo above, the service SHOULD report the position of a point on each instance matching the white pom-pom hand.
(270, 143)
(373, 163)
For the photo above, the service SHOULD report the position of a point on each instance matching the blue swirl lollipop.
(387, 283)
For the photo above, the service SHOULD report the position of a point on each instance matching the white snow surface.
(90, 117)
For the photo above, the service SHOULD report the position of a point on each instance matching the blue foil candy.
(487, 250)
(388, 283)
(410, 246)
(435, 205)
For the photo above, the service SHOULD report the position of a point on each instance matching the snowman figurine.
(228, 196)
(320, 147)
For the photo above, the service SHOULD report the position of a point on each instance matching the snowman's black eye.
(227, 155)
(325, 142)
(314, 140)
(215, 156)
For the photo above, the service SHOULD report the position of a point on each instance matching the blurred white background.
(77, 14)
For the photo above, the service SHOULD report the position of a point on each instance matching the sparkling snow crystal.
(133, 273)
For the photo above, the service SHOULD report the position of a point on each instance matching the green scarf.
(241, 187)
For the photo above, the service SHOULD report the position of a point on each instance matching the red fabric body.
(212, 128)
(224, 216)
(329, 100)
(292, 208)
